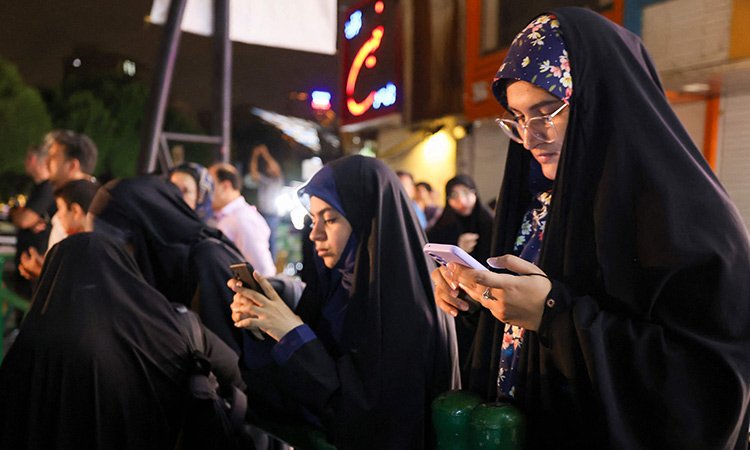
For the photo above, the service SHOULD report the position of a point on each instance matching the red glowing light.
(379, 6)
(371, 61)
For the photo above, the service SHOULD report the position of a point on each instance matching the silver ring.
(487, 295)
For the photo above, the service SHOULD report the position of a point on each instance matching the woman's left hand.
(518, 299)
(251, 309)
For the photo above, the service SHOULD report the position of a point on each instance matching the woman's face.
(462, 199)
(527, 101)
(330, 231)
(187, 186)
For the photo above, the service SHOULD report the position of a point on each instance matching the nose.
(316, 231)
(529, 140)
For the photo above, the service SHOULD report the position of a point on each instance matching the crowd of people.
(615, 313)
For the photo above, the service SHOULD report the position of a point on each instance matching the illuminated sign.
(371, 52)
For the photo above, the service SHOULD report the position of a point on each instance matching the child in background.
(73, 200)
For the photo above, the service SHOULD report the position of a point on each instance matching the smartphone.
(446, 253)
(244, 272)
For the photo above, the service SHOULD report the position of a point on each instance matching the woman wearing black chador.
(366, 350)
(625, 320)
(467, 223)
(103, 359)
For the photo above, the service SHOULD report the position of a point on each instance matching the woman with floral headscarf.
(623, 317)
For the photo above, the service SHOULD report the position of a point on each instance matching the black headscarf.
(101, 360)
(397, 350)
(176, 252)
(647, 344)
(451, 225)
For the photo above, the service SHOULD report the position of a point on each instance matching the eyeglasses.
(465, 193)
(540, 127)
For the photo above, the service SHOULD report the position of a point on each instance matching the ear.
(78, 213)
(75, 165)
(226, 185)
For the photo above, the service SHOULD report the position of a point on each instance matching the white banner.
(307, 25)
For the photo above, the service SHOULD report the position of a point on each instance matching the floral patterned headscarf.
(537, 55)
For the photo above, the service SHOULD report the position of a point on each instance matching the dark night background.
(42, 37)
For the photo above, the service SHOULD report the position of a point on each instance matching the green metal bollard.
(496, 426)
(450, 417)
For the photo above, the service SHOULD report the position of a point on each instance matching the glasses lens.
(542, 128)
(510, 128)
(465, 193)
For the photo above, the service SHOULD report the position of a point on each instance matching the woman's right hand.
(446, 295)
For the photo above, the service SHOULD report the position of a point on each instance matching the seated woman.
(102, 359)
(367, 349)
(177, 253)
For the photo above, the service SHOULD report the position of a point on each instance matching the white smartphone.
(446, 253)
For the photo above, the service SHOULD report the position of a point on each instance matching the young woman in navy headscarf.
(625, 323)
(367, 350)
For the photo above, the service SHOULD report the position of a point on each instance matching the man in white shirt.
(70, 156)
(240, 221)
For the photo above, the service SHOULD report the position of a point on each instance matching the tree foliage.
(23, 118)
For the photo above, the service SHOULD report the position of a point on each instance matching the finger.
(476, 281)
(514, 264)
(439, 279)
(448, 275)
(266, 286)
(233, 283)
(250, 322)
(254, 296)
(250, 296)
(238, 301)
(449, 302)
(463, 276)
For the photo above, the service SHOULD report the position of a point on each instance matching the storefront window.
(503, 19)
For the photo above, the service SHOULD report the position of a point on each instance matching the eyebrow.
(538, 105)
(321, 212)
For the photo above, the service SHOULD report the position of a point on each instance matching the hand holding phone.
(244, 272)
(446, 253)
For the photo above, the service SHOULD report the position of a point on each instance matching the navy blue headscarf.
(336, 283)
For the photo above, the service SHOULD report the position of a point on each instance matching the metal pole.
(160, 88)
(222, 79)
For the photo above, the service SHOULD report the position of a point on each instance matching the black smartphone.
(244, 272)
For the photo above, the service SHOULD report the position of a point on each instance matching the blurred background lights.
(321, 100)
(128, 67)
(459, 132)
(438, 147)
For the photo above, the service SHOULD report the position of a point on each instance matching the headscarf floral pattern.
(537, 55)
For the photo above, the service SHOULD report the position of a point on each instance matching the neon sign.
(371, 67)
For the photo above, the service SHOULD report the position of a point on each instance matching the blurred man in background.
(240, 221)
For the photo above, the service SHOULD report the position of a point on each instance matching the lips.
(545, 157)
